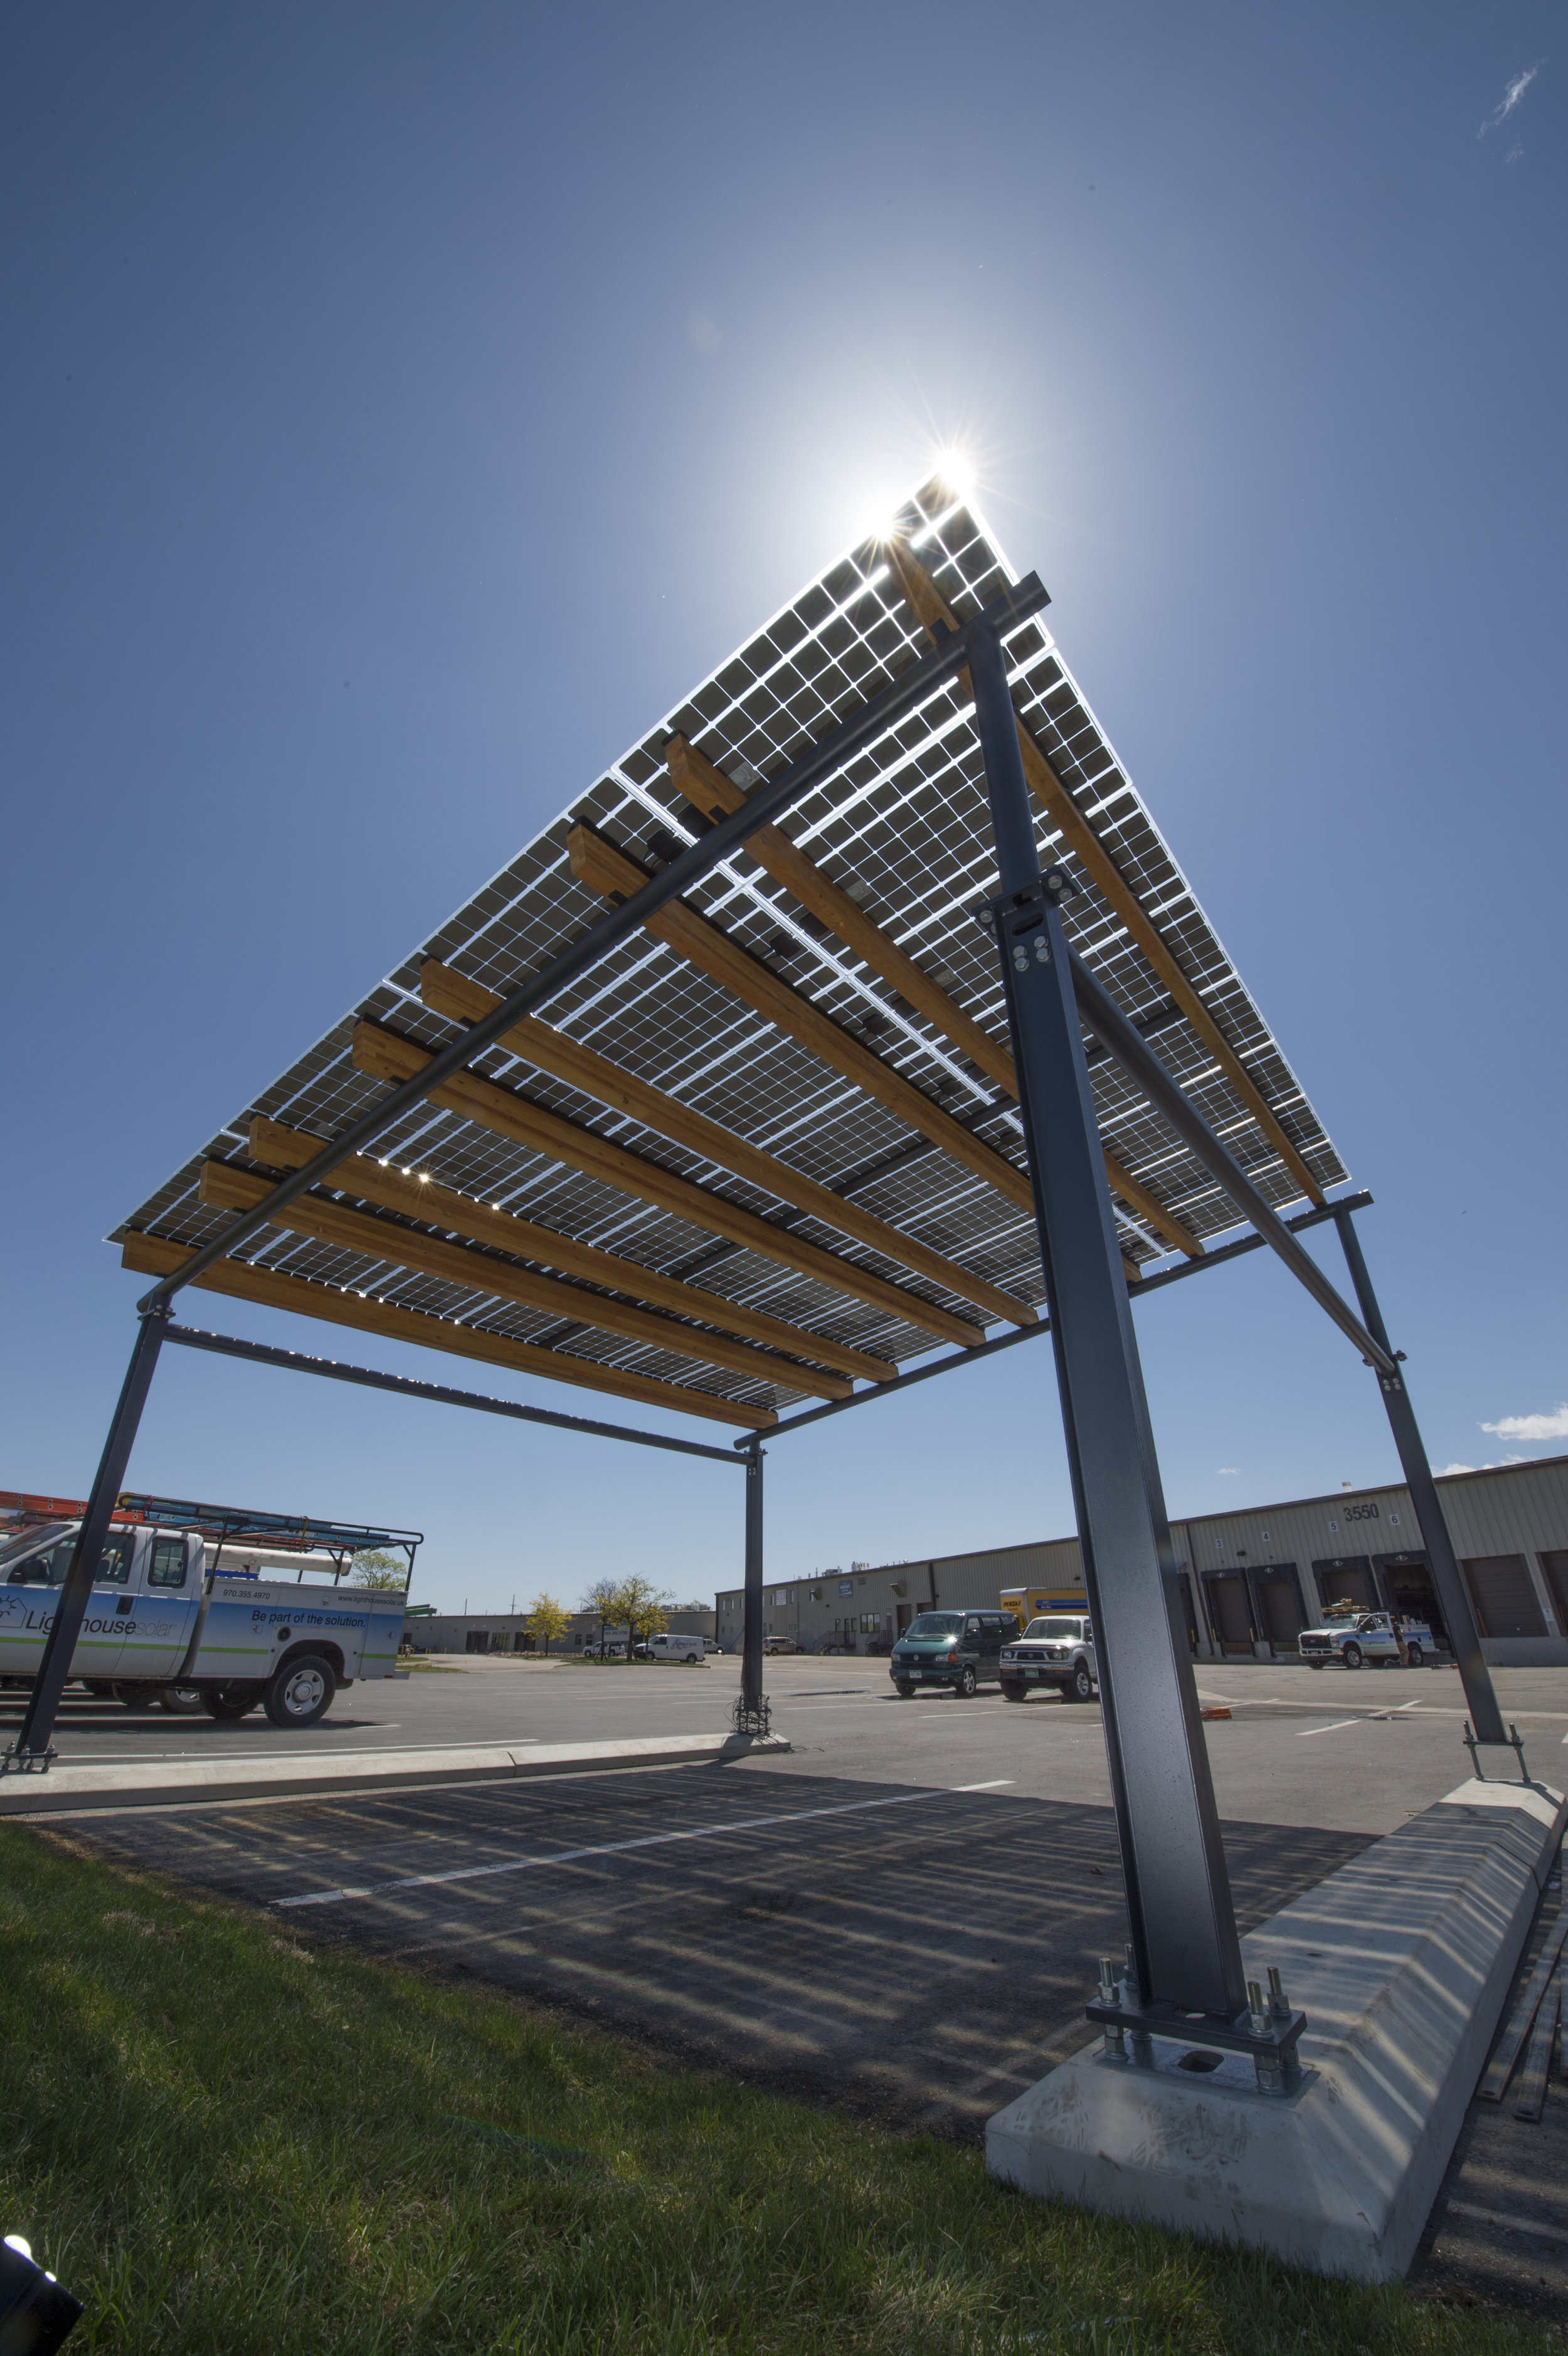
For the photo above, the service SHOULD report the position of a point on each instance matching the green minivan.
(952, 1652)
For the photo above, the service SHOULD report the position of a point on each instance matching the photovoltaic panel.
(904, 830)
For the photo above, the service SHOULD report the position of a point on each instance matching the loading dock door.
(1347, 1579)
(1407, 1583)
(1504, 1595)
(1556, 1566)
(1229, 1610)
(1281, 1614)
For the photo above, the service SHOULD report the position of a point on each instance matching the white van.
(671, 1644)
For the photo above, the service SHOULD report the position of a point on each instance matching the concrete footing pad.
(282, 1775)
(1402, 1961)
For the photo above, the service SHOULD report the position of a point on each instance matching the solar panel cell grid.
(904, 829)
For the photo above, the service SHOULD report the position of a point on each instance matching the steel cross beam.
(262, 1353)
(1138, 1060)
(1220, 1258)
(770, 801)
(1473, 1675)
(1185, 1947)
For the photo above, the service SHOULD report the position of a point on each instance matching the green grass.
(224, 2140)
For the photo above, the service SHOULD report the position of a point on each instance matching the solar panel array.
(903, 829)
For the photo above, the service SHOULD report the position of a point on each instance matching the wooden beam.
(927, 601)
(605, 869)
(442, 1206)
(156, 1255)
(224, 1186)
(710, 791)
(716, 795)
(489, 1106)
(453, 994)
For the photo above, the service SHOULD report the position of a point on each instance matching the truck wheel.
(230, 1702)
(1352, 1656)
(1080, 1685)
(1413, 1656)
(1315, 1664)
(183, 1701)
(906, 1690)
(964, 1682)
(301, 1692)
(1013, 1691)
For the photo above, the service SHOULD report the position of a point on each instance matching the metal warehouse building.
(1250, 1580)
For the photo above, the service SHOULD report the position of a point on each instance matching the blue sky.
(407, 403)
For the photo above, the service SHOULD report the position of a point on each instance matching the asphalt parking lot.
(902, 1914)
(1332, 1750)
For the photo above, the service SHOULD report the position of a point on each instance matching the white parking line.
(1302, 1731)
(645, 1840)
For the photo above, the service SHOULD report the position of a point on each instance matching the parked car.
(780, 1644)
(959, 1651)
(1057, 1653)
(1367, 1637)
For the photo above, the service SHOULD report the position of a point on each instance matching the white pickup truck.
(1365, 1637)
(161, 1626)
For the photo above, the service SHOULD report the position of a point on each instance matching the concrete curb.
(1402, 1962)
(166, 1782)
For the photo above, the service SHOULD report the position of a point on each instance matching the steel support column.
(32, 1747)
(1183, 1922)
(751, 1710)
(1446, 1576)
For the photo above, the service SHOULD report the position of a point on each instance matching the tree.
(546, 1618)
(378, 1567)
(640, 1608)
(603, 1599)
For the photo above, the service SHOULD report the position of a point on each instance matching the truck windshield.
(1054, 1628)
(34, 1538)
(935, 1624)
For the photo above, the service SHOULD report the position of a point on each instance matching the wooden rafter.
(931, 607)
(489, 1106)
(600, 864)
(456, 1213)
(453, 994)
(710, 791)
(156, 1256)
(225, 1186)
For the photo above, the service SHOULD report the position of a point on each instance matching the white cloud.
(1531, 1426)
(1230, 1471)
(1438, 1469)
(1510, 99)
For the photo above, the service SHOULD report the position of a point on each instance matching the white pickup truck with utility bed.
(162, 1626)
(1363, 1636)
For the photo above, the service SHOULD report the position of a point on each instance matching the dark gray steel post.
(1179, 1894)
(1446, 1577)
(752, 1712)
(32, 1746)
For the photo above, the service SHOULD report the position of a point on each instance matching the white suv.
(1056, 1652)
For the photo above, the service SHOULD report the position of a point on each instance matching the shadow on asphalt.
(918, 1957)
